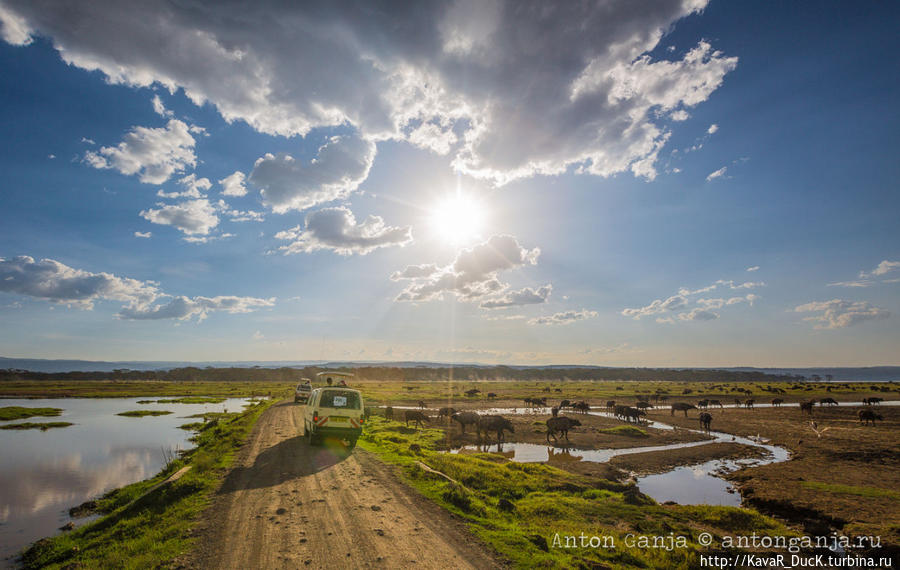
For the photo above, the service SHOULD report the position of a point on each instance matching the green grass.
(43, 426)
(548, 501)
(144, 529)
(18, 412)
(443, 392)
(874, 492)
(597, 392)
(193, 400)
(627, 431)
(142, 413)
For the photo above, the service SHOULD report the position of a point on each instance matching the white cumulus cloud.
(159, 108)
(153, 154)
(699, 314)
(56, 282)
(525, 296)
(233, 184)
(193, 217)
(184, 308)
(511, 88)
(869, 278)
(703, 308)
(337, 229)
(340, 166)
(838, 313)
(883, 268)
(717, 174)
(13, 28)
(564, 318)
(193, 188)
(416, 272)
(472, 275)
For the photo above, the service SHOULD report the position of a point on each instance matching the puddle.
(538, 453)
(691, 485)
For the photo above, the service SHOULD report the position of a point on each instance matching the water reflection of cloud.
(66, 481)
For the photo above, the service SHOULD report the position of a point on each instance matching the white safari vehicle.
(333, 411)
(304, 389)
(333, 378)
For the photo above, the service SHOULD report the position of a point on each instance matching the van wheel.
(351, 443)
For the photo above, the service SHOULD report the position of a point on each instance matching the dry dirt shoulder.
(287, 505)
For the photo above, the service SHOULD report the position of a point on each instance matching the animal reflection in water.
(558, 455)
(561, 455)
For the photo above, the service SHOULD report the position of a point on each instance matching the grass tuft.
(627, 431)
(18, 412)
(142, 413)
(43, 426)
(192, 400)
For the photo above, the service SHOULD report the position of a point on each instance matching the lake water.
(44, 473)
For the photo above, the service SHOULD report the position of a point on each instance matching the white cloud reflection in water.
(44, 473)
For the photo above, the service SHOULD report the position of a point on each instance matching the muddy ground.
(661, 461)
(842, 475)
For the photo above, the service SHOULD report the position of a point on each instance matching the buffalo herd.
(559, 425)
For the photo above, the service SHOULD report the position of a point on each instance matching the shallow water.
(687, 485)
(44, 473)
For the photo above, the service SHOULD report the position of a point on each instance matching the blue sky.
(690, 184)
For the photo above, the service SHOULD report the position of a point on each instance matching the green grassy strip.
(628, 431)
(149, 531)
(547, 501)
(193, 400)
(18, 412)
(387, 391)
(142, 413)
(43, 426)
(874, 492)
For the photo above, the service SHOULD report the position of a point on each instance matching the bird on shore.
(815, 428)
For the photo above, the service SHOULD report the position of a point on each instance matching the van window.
(340, 399)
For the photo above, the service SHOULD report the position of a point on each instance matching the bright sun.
(458, 218)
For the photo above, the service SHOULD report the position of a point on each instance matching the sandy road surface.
(288, 505)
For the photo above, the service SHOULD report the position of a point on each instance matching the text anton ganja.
(664, 542)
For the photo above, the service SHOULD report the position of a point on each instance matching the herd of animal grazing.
(486, 425)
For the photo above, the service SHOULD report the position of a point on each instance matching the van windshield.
(340, 399)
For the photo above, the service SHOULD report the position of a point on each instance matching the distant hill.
(849, 374)
(42, 365)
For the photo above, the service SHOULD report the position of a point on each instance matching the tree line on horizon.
(405, 374)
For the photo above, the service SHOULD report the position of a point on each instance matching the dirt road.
(288, 505)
